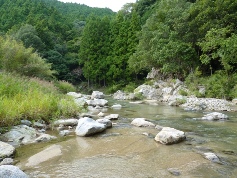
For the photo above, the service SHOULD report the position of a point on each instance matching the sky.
(115, 5)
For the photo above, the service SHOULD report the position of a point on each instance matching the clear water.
(123, 151)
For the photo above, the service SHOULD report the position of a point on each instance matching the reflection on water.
(124, 151)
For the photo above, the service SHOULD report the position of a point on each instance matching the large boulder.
(141, 122)
(20, 134)
(6, 150)
(9, 171)
(214, 116)
(169, 136)
(97, 95)
(87, 126)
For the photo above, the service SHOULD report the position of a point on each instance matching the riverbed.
(126, 151)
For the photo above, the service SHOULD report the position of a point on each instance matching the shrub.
(65, 87)
(14, 57)
(32, 99)
(130, 87)
(183, 92)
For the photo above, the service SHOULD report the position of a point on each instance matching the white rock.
(6, 150)
(112, 117)
(212, 157)
(45, 138)
(21, 134)
(101, 114)
(10, 171)
(141, 122)
(116, 106)
(7, 161)
(97, 102)
(97, 95)
(169, 136)
(214, 116)
(66, 122)
(87, 126)
(106, 122)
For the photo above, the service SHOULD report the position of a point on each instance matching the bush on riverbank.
(218, 85)
(32, 99)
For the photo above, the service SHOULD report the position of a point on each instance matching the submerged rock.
(141, 122)
(87, 126)
(174, 171)
(45, 155)
(6, 150)
(212, 157)
(169, 136)
(9, 171)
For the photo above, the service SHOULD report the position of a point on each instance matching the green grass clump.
(65, 86)
(32, 99)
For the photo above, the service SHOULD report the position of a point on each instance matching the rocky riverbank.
(96, 120)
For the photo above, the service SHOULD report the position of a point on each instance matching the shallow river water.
(125, 152)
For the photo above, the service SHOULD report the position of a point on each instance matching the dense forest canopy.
(193, 40)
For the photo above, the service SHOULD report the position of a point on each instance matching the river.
(125, 152)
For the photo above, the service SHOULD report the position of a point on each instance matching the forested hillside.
(52, 28)
(193, 40)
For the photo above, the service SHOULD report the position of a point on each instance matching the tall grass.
(32, 99)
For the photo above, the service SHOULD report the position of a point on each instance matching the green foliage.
(214, 85)
(113, 88)
(129, 88)
(163, 44)
(14, 57)
(183, 92)
(32, 99)
(139, 96)
(221, 46)
(64, 86)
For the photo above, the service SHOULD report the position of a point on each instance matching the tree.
(163, 43)
(14, 57)
(29, 36)
(219, 50)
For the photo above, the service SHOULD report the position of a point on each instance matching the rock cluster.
(212, 104)
(214, 116)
